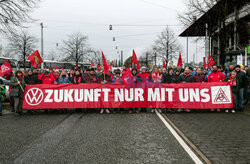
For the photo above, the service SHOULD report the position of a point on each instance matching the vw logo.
(34, 96)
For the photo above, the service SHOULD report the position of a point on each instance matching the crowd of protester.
(238, 76)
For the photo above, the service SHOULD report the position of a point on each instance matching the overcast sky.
(93, 17)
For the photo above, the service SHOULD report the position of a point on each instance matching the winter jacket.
(77, 79)
(156, 77)
(16, 87)
(117, 80)
(167, 78)
(32, 79)
(101, 78)
(216, 77)
(186, 78)
(199, 78)
(62, 80)
(143, 77)
(47, 79)
(242, 79)
(91, 78)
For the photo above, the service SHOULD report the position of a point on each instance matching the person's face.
(72, 72)
(219, 69)
(171, 72)
(77, 72)
(198, 71)
(87, 72)
(156, 70)
(231, 67)
(164, 70)
(64, 73)
(50, 71)
(246, 68)
(237, 69)
(56, 73)
(117, 75)
(205, 71)
(134, 72)
(233, 76)
(42, 71)
(177, 72)
(186, 71)
(92, 72)
(215, 68)
(35, 71)
(19, 74)
(30, 72)
(197, 67)
(143, 70)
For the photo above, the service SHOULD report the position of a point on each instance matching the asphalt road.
(88, 138)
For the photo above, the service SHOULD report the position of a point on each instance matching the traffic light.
(110, 27)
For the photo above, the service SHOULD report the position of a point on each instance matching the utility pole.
(146, 58)
(122, 57)
(187, 49)
(42, 43)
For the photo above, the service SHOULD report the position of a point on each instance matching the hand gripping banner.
(142, 95)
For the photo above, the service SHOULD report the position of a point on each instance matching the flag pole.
(20, 84)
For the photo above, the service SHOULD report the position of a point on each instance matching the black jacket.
(242, 79)
(32, 79)
(184, 78)
(167, 78)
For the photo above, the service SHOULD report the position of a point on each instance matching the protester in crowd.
(51, 70)
(242, 81)
(63, 78)
(246, 68)
(2, 93)
(248, 86)
(234, 86)
(164, 71)
(219, 69)
(104, 79)
(206, 73)
(144, 76)
(117, 79)
(177, 74)
(199, 77)
(91, 77)
(156, 78)
(78, 78)
(17, 91)
(133, 82)
(169, 77)
(231, 69)
(31, 78)
(186, 76)
(47, 78)
(71, 75)
(216, 76)
(56, 74)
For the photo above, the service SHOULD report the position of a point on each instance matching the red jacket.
(216, 77)
(47, 79)
(145, 77)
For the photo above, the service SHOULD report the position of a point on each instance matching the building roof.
(198, 28)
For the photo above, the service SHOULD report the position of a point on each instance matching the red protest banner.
(141, 95)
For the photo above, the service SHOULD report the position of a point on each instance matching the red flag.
(164, 64)
(126, 75)
(105, 64)
(98, 66)
(92, 64)
(111, 64)
(205, 64)
(5, 68)
(210, 61)
(35, 59)
(134, 60)
(56, 68)
(179, 64)
(62, 69)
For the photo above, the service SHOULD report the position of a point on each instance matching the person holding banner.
(47, 78)
(144, 76)
(63, 78)
(199, 77)
(17, 91)
(78, 78)
(216, 76)
(31, 78)
(91, 77)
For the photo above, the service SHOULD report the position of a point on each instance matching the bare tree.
(22, 44)
(76, 47)
(166, 46)
(94, 56)
(195, 8)
(13, 13)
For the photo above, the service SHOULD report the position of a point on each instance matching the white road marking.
(180, 140)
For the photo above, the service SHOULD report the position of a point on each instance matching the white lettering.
(48, 97)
